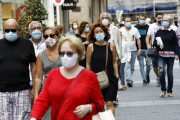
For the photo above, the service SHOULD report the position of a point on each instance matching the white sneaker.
(157, 82)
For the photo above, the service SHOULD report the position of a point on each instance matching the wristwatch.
(139, 49)
(90, 110)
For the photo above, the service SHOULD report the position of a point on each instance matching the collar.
(42, 40)
(168, 29)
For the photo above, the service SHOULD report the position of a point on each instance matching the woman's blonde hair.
(75, 43)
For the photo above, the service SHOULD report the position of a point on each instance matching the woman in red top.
(79, 103)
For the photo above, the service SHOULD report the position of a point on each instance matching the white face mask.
(50, 42)
(69, 62)
(105, 22)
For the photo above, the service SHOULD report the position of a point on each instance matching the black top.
(169, 40)
(14, 61)
(98, 59)
(83, 62)
(143, 32)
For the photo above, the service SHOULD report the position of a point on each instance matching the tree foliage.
(33, 10)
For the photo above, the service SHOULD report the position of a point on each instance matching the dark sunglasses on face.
(8, 30)
(46, 36)
(69, 54)
(34, 28)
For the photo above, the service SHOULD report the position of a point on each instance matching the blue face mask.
(141, 22)
(100, 37)
(165, 24)
(36, 34)
(11, 36)
(74, 26)
(86, 30)
(128, 24)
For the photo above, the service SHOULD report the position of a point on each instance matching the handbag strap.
(96, 103)
(67, 91)
(106, 56)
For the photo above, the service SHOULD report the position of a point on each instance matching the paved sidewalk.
(143, 102)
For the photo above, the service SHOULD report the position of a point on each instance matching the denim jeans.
(130, 67)
(141, 64)
(170, 64)
(121, 73)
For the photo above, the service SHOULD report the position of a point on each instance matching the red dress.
(85, 91)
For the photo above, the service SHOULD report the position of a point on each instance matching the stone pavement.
(143, 102)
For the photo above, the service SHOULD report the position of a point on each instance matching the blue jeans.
(141, 64)
(130, 67)
(170, 63)
(121, 72)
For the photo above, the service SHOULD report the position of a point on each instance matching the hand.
(32, 94)
(128, 62)
(139, 53)
(148, 47)
(82, 110)
(176, 57)
(118, 62)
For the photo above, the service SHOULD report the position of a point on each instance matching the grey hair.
(171, 20)
(34, 22)
(109, 15)
(53, 28)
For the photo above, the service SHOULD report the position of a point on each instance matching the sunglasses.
(46, 36)
(8, 30)
(69, 54)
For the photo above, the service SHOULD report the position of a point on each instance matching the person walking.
(125, 61)
(153, 28)
(46, 61)
(167, 43)
(82, 34)
(35, 30)
(131, 35)
(96, 61)
(114, 34)
(81, 97)
(143, 28)
(16, 53)
(178, 36)
(74, 27)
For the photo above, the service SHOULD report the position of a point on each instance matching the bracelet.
(139, 49)
(90, 110)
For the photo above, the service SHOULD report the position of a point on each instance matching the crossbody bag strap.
(67, 91)
(106, 57)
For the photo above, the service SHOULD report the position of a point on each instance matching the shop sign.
(69, 5)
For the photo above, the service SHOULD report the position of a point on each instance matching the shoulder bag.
(107, 115)
(102, 76)
(153, 52)
(67, 91)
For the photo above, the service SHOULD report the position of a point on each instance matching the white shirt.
(130, 37)
(126, 52)
(111, 40)
(153, 28)
(37, 49)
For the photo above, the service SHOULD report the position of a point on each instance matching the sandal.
(170, 95)
(124, 86)
(120, 88)
(162, 94)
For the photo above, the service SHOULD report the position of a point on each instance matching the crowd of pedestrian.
(74, 76)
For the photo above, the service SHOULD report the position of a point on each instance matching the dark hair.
(159, 14)
(142, 15)
(125, 18)
(82, 26)
(91, 35)
(59, 28)
(121, 25)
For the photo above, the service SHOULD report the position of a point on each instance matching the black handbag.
(153, 52)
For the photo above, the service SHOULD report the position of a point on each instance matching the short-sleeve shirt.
(153, 28)
(14, 61)
(130, 37)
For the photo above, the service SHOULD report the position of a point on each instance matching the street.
(143, 102)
